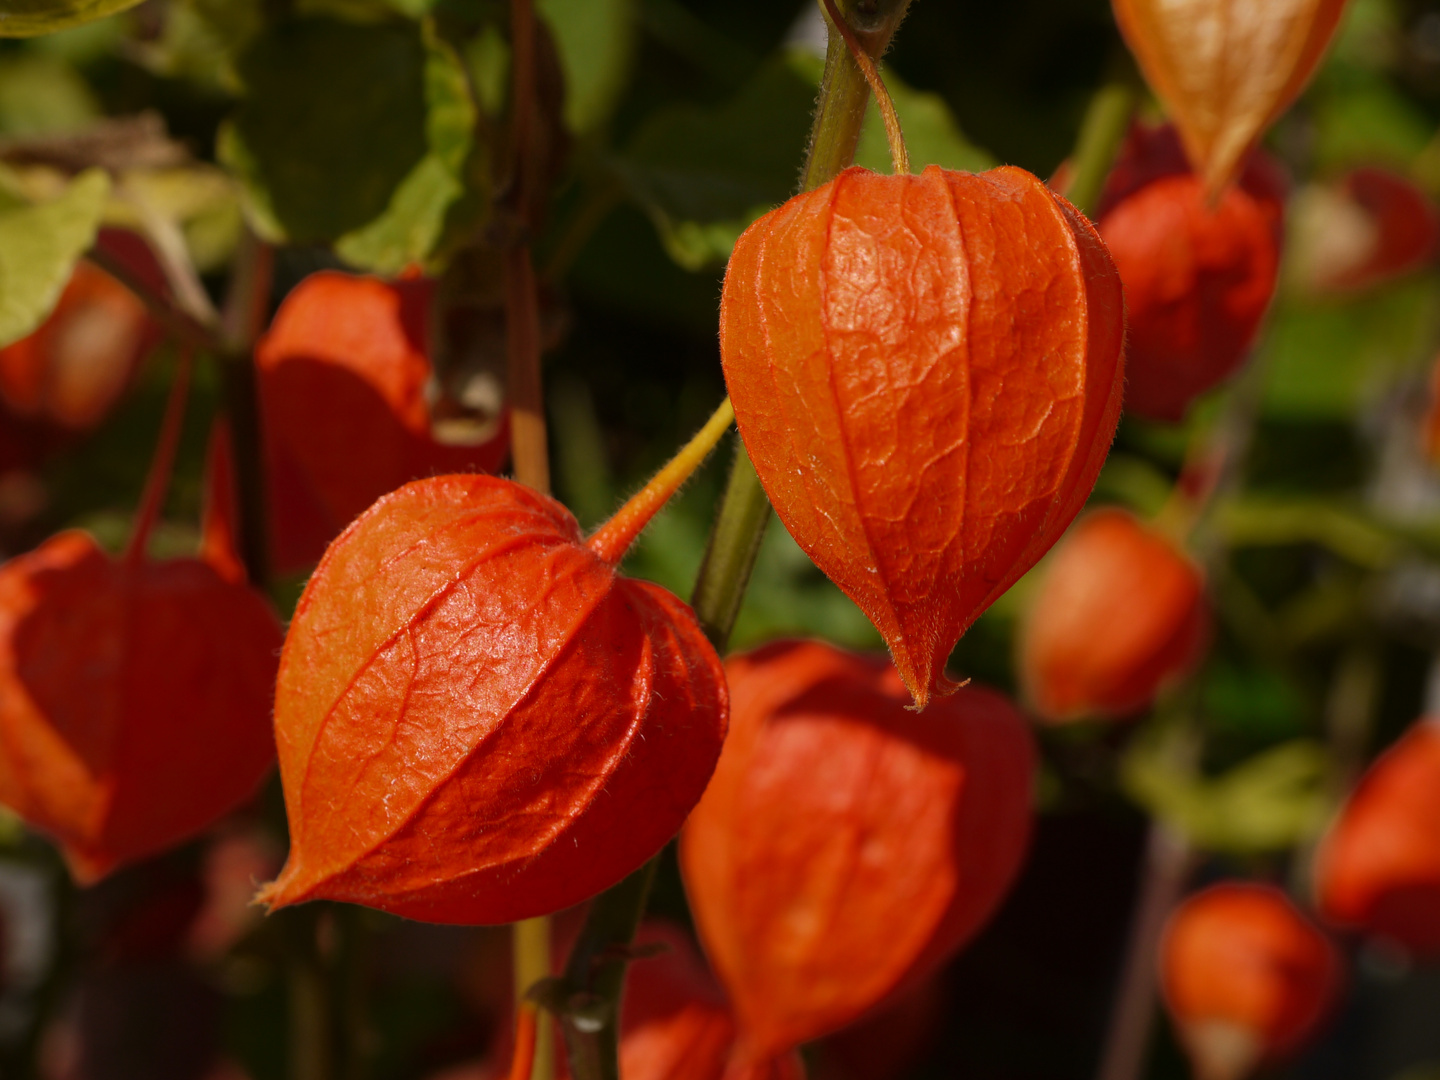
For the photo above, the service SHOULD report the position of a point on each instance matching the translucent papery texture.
(1120, 614)
(1226, 69)
(343, 375)
(926, 371)
(479, 720)
(134, 699)
(1198, 275)
(1379, 867)
(847, 846)
(1246, 976)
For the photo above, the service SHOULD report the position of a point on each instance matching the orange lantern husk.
(1247, 978)
(479, 720)
(1226, 69)
(1378, 869)
(847, 845)
(134, 699)
(1198, 275)
(1119, 615)
(927, 373)
(343, 371)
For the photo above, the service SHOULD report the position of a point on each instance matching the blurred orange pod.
(1369, 227)
(134, 698)
(1246, 976)
(69, 373)
(1226, 69)
(1198, 272)
(847, 845)
(927, 373)
(1119, 614)
(345, 375)
(1378, 868)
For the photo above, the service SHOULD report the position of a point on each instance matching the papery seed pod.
(1198, 276)
(1246, 977)
(927, 373)
(343, 374)
(1378, 868)
(1119, 614)
(847, 846)
(134, 699)
(478, 719)
(72, 370)
(1369, 227)
(1226, 69)
(674, 1021)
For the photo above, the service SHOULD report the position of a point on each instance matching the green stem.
(589, 1004)
(595, 976)
(1107, 119)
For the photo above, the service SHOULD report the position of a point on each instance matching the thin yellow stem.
(899, 156)
(613, 539)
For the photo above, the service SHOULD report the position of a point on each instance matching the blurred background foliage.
(360, 133)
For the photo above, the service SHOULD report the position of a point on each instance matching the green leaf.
(42, 95)
(333, 123)
(445, 196)
(596, 40)
(28, 18)
(932, 135)
(1269, 802)
(703, 175)
(38, 247)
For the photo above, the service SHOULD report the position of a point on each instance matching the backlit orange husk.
(71, 372)
(1198, 276)
(134, 699)
(1120, 613)
(1226, 69)
(926, 372)
(478, 719)
(1378, 868)
(1246, 977)
(847, 845)
(343, 371)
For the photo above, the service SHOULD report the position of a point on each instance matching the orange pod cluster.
(134, 699)
(1246, 977)
(343, 372)
(1379, 866)
(478, 719)
(1119, 615)
(926, 372)
(1226, 69)
(847, 846)
(1199, 274)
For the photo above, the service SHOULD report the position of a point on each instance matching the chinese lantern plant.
(1246, 977)
(1199, 270)
(1368, 228)
(1120, 614)
(66, 376)
(134, 695)
(1378, 869)
(927, 374)
(847, 845)
(1226, 69)
(478, 719)
(344, 370)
